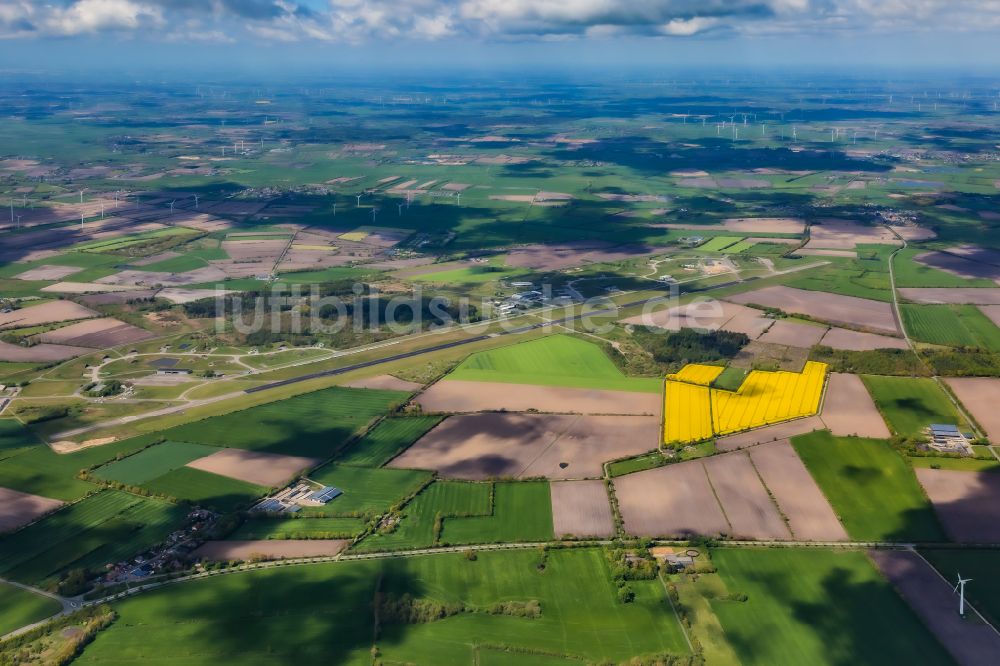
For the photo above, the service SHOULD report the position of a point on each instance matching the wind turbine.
(12, 209)
(196, 201)
(335, 209)
(400, 207)
(960, 588)
(172, 207)
(459, 198)
(374, 210)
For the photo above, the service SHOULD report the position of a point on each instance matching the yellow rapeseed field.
(694, 373)
(693, 413)
(687, 413)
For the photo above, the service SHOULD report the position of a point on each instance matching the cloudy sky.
(474, 32)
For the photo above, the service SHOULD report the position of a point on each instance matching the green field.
(439, 501)
(951, 325)
(313, 424)
(522, 511)
(817, 607)
(153, 462)
(101, 529)
(555, 360)
(285, 615)
(298, 528)
(205, 489)
(719, 243)
(979, 565)
(366, 490)
(386, 440)
(22, 607)
(872, 489)
(14, 438)
(910, 404)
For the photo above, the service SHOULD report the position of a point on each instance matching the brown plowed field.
(981, 396)
(675, 500)
(270, 549)
(557, 256)
(770, 433)
(465, 396)
(960, 266)
(97, 333)
(385, 382)
(842, 338)
(42, 353)
(17, 508)
(933, 599)
(263, 469)
(46, 313)
(849, 410)
(48, 273)
(967, 503)
(860, 312)
(482, 446)
(784, 332)
(706, 314)
(844, 235)
(744, 499)
(581, 509)
(969, 295)
(809, 515)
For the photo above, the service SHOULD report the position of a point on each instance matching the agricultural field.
(423, 518)
(151, 463)
(22, 607)
(387, 439)
(871, 487)
(522, 511)
(580, 615)
(694, 412)
(554, 360)
(311, 424)
(366, 490)
(951, 325)
(205, 489)
(977, 564)
(101, 529)
(323, 214)
(254, 529)
(910, 404)
(816, 606)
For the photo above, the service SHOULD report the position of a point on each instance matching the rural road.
(68, 606)
(174, 409)
(913, 348)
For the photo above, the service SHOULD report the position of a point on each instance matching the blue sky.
(273, 34)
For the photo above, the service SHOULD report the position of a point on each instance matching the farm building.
(948, 439)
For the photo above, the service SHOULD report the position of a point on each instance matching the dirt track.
(269, 549)
(466, 396)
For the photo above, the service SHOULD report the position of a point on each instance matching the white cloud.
(89, 16)
(372, 20)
